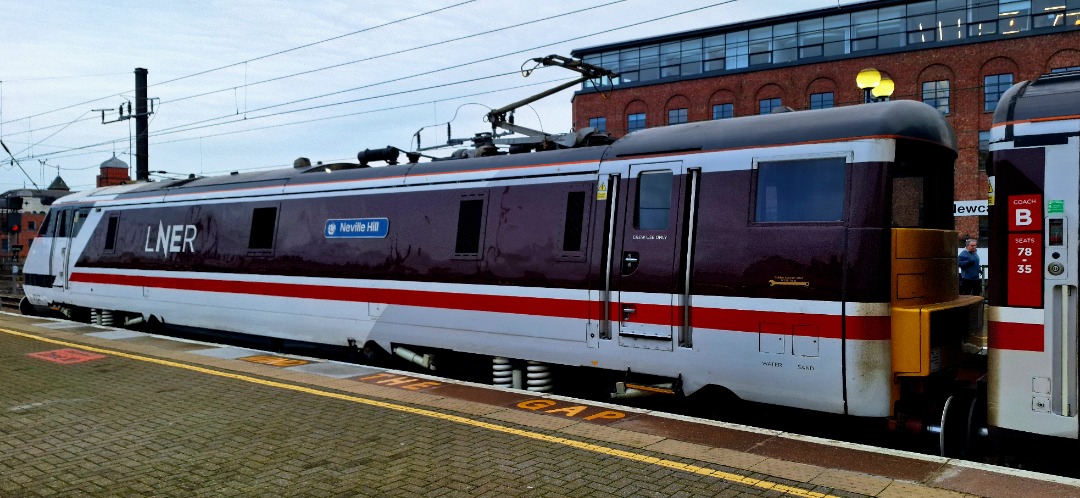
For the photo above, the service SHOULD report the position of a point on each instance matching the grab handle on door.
(627, 310)
(630, 262)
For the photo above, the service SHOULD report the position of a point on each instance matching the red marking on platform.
(276, 361)
(400, 381)
(66, 356)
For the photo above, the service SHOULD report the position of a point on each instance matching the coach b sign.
(1025, 213)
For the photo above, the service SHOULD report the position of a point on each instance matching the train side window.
(653, 200)
(470, 227)
(263, 225)
(807, 190)
(78, 217)
(110, 233)
(575, 209)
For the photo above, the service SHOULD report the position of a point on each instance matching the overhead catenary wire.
(63, 153)
(199, 73)
(447, 68)
(334, 66)
(516, 52)
(195, 125)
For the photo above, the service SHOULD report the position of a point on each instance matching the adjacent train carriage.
(1035, 184)
(803, 259)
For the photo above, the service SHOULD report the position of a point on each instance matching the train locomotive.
(803, 259)
(1034, 173)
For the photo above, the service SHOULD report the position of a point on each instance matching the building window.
(31, 225)
(936, 94)
(766, 106)
(723, 111)
(993, 86)
(984, 149)
(914, 23)
(1064, 69)
(635, 122)
(821, 100)
(676, 116)
(599, 123)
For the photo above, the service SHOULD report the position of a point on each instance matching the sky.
(248, 85)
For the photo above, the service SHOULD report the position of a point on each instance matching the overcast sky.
(244, 85)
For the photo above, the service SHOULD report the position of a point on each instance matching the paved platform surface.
(96, 411)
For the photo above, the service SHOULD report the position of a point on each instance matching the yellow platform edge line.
(581, 445)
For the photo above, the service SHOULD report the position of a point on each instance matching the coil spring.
(106, 317)
(94, 317)
(502, 372)
(538, 377)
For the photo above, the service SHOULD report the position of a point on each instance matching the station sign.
(1025, 250)
(352, 228)
(970, 208)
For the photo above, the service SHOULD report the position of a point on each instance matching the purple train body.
(804, 259)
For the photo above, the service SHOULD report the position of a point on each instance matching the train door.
(646, 282)
(67, 224)
(61, 246)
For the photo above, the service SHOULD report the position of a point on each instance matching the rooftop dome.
(114, 162)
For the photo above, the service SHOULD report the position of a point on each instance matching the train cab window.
(807, 190)
(62, 218)
(263, 224)
(78, 217)
(653, 200)
(470, 227)
(47, 224)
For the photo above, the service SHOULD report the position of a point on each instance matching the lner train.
(803, 259)
(1034, 176)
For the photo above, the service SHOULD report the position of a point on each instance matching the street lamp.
(875, 87)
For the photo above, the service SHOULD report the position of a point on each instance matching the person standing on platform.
(970, 275)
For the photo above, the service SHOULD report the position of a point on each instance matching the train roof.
(1049, 97)
(903, 119)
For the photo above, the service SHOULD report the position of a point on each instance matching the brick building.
(957, 55)
(26, 208)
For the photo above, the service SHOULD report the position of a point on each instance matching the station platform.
(98, 411)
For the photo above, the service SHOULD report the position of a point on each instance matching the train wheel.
(957, 425)
(26, 308)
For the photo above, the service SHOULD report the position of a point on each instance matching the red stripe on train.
(772, 322)
(1015, 336)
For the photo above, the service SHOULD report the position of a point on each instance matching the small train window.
(110, 233)
(808, 190)
(470, 227)
(575, 210)
(263, 223)
(653, 201)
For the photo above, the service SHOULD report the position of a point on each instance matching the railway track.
(10, 302)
